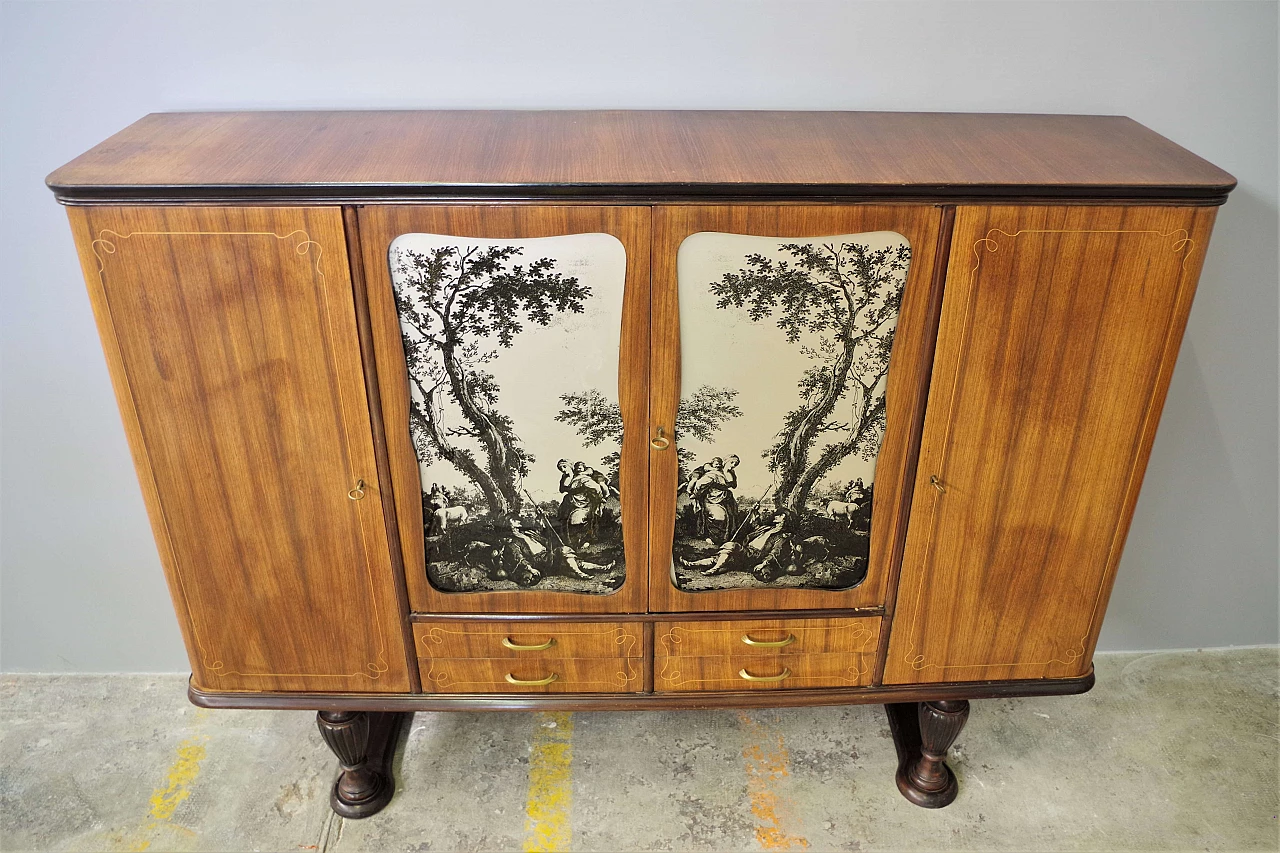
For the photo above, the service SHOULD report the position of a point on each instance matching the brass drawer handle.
(661, 442)
(786, 673)
(538, 682)
(506, 641)
(769, 644)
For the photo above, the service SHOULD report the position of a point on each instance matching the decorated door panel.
(791, 353)
(512, 353)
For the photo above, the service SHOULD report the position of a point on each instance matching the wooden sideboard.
(630, 410)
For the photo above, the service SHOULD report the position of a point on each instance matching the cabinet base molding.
(643, 701)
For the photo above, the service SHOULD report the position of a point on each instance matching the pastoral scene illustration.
(512, 353)
(786, 343)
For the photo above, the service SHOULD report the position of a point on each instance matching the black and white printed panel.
(785, 346)
(512, 349)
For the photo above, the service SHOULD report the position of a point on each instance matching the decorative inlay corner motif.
(1181, 239)
(672, 676)
(106, 244)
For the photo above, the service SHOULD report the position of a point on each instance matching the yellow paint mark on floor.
(766, 760)
(178, 781)
(546, 825)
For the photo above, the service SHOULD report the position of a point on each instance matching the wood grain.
(572, 675)
(568, 640)
(725, 672)
(378, 227)
(373, 396)
(807, 636)
(1060, 328)
(678, 154)
(231, 339)
(905, 395)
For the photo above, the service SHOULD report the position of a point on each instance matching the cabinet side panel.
(231, 338)
(1060, 327)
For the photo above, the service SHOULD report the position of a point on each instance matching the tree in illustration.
(848, 295)
(597, 420)
(452, 302)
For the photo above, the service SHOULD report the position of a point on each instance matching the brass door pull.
(661, 442)
(768, 644)
(358, 492)
(538, 647)
(786, 673)
(533, 682)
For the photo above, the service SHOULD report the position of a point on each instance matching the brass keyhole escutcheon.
(660, 442)
(358, 492)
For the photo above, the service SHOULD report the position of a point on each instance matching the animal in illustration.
(843, 511)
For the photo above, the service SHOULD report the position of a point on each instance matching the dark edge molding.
(642, 701)
(634, 193)
(355, 265)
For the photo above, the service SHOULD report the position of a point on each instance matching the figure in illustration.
(711, 488)
(582, 508)
(527, 557)
(768, 549)
(495, 517)
(817, 415)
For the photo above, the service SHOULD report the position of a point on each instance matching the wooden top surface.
(370, 154)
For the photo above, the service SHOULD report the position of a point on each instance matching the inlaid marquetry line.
(1070, 655)
(671, 674)
(302, 248)
(620, 636)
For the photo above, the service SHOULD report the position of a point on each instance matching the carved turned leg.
(923, 733)
(365, 743)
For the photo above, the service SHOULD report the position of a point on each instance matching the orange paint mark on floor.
(766, 758)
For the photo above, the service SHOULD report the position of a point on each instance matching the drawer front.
(754, 672)
(547, 675)
(767, 637)
(528, 641)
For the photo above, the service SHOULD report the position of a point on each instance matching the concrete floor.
(1171, 751)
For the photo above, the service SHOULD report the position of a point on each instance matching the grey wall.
(81, 585)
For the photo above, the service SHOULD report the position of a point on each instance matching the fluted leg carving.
(365, 744)
(922, 734)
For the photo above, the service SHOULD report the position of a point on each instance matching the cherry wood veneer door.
(1060, 327)
(231, 338)
(717, 249)
(574, 281)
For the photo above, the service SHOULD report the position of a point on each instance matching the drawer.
(529, 640)
(770, 637)
(545, 675)
(754, 672)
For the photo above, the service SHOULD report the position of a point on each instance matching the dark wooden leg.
(922, 734)
(365, 743)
